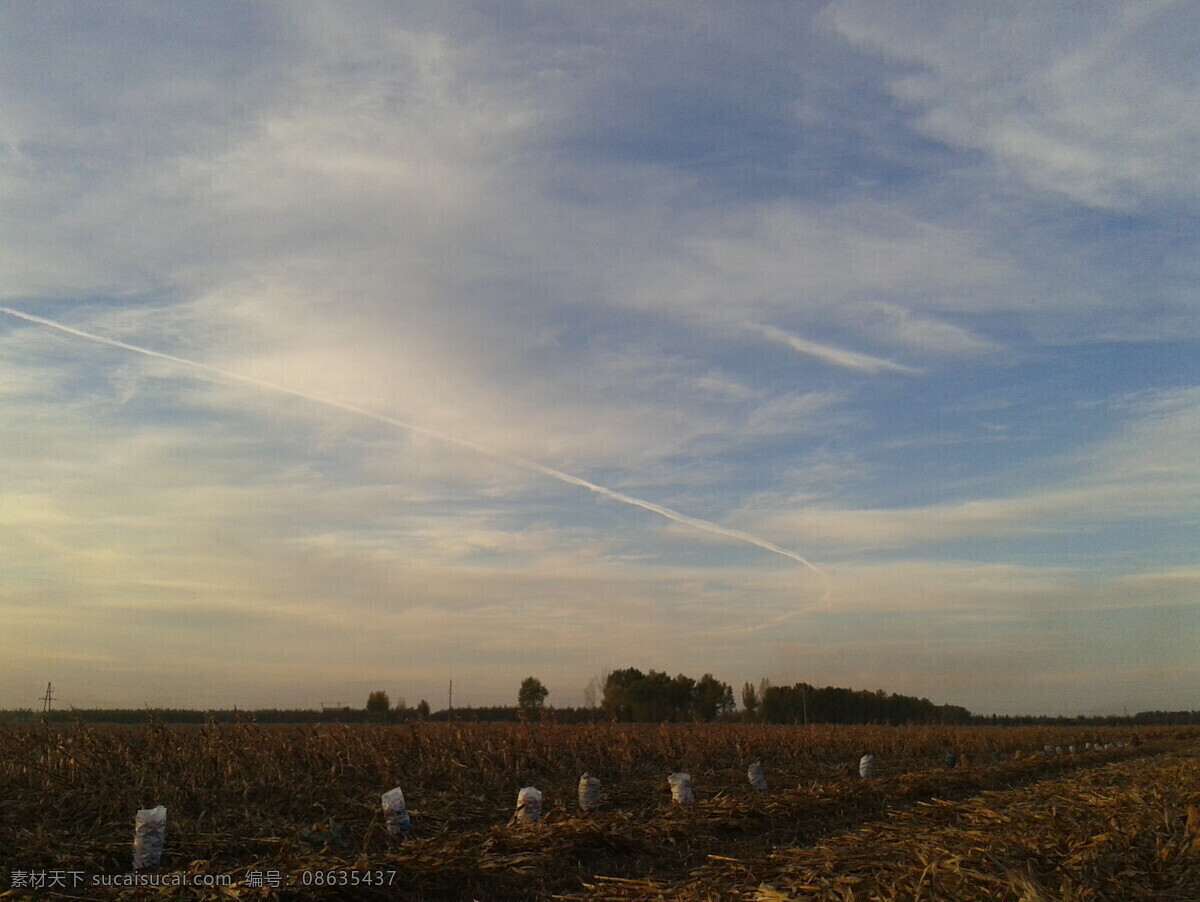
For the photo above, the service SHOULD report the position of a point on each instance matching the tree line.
(803, 703)
(656, 697)
(631, 695)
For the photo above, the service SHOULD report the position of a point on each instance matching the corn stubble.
(1124, 832)
(246, 798)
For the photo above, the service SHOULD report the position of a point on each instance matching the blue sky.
(906, 291)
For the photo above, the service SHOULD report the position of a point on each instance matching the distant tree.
(423, 709)
(592, 692)
(750, 700)
(618, 690)
(650, 698)
(378, 704)
(681, 699)
(778, 704)
(631, 695)
(532, 695)
(713, 698)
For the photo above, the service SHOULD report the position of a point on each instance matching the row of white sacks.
(150, 824)
(529, 799)
(1087, 747)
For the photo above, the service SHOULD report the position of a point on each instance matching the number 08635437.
(347, 878)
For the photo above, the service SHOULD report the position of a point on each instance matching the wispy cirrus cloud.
(1072, 103)
(1146, 473)
(852, 360)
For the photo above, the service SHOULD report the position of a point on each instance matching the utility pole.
(47, 698)
(450, 705)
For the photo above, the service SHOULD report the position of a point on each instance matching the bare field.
(246, 801)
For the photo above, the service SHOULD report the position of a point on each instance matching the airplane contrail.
(514, 460)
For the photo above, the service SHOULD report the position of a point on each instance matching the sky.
(351, 346)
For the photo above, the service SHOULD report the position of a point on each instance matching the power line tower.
(47, 698)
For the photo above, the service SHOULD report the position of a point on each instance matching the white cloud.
(1147, 471)
(932, 337)
(782, 257)
(837, 356)
(1094, 106)
(794, 413)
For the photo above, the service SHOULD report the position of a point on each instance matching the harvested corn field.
(295, 812)
(1125, 831)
